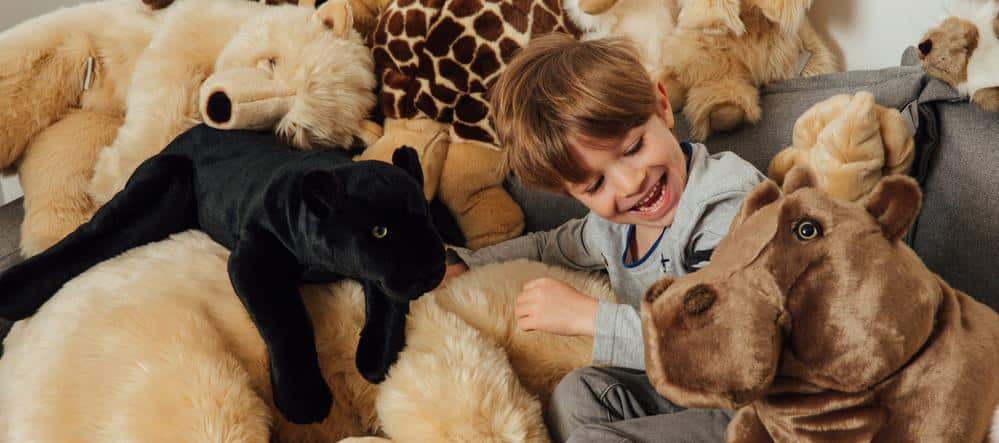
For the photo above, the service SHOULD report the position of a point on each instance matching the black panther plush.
(289, 217)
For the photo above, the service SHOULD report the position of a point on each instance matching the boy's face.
(636, 180)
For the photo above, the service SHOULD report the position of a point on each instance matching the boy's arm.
(566, 245)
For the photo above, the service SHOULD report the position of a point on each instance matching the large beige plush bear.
(64, 78)
(722, 51)
(154, 346)
(303, 72)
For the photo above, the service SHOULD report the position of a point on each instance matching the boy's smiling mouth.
(654, 201)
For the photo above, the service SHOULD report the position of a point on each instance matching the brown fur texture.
(294, 48)
(849, 142)
(44, 107)
(154, 346)
(722, 52)
(821, 325)
(948, 50)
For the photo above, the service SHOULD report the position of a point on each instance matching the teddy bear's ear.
(799, 178)
(336, 15)
(406, 158)
(895, 202)
(782, 163)
(321, 192)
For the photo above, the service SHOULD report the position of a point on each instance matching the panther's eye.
(379, 232)
(807, 230)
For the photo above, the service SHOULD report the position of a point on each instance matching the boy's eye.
(595, 186)
(636, 147)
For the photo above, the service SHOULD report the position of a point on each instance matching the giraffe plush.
(436, 60)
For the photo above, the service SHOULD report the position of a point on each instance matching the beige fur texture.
(849, 142)
(50, 127)
(330, 76)
(155, 346)
(646, 23)
(723, 51)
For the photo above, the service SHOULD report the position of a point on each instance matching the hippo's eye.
(379, 232)
(807, 230)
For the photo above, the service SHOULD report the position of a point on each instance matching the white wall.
(872, 34)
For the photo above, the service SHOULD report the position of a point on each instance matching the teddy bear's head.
(804, 286)
(962, 51)
(301, 71)
(945, 50)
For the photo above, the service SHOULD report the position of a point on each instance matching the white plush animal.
(154, 346)
(646, 23)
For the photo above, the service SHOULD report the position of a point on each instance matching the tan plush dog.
(63, 81)
(303, 72)
(723, 51)
(849, 143)
(820, 324)
(154, 346)
(963, 51)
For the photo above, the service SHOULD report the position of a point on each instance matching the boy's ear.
(406, 158)
(662, 97)
(322, 192)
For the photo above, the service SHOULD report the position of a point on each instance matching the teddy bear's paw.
(987, 99)
(299, 400)
(365, 440)
(106, 181)
(726, 117)
(596, 7)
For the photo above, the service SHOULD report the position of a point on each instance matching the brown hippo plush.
(819, 324)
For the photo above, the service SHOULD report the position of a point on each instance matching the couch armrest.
(11, 215)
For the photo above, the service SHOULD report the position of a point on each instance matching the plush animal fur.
(309, 69)
(646, 23)
(714, 76)
(963, 51)
(821, 324)
(849, 142)
(436, 62)
(154, 346)
(51, 126)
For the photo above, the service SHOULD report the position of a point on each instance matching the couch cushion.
(11, 215)
(956, 231)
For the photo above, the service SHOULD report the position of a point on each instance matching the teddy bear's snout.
(698, 299)
(219, 109)
(925, 47)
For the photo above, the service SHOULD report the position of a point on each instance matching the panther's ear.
(406, 158)
(322, 192)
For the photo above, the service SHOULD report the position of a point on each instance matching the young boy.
(583, 119)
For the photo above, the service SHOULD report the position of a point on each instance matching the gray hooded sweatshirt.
(716, 185)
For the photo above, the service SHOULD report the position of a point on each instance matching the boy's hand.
(547, 304)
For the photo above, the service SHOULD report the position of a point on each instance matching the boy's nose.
(627, 181)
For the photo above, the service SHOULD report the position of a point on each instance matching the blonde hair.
(556, 87)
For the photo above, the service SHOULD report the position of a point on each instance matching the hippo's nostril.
(925, 46)
(219, 107)
(699, 299)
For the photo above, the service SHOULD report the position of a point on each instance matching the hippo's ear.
(406, 158)
(336, 15)
(322, 192)
(895, 202)
(763, 194)
(799, 177)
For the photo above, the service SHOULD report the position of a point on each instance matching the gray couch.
(957, 164)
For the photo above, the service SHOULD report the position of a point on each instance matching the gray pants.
(595, 404)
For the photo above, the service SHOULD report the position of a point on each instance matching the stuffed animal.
(288, 216)
(722, 52)
(301, 72)
(646, 23)
(849, 143)
(153, 346)
(436, 62)
(963, 51)
(819, 323)
(63, 80)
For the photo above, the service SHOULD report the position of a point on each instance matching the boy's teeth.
(652, 200)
